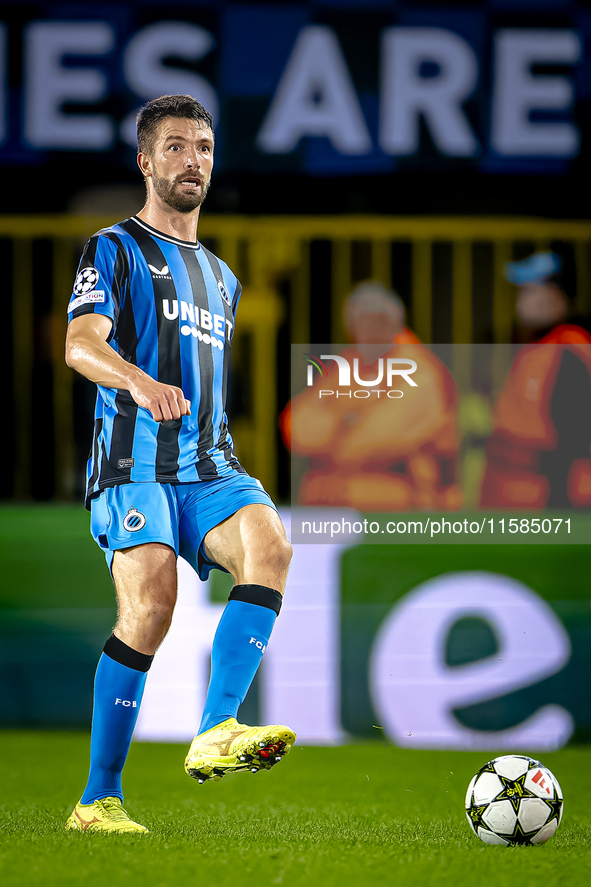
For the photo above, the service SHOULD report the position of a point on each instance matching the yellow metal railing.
(264, 252)
(283, 239)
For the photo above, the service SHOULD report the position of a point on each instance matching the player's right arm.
(88, 352)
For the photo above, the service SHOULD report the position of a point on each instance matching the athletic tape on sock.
(118, 651)
(260, 595)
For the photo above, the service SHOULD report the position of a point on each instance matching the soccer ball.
(514, 800)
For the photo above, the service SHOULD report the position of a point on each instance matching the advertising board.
(315, 87)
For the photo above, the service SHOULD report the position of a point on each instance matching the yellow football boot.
(106, 815)
(235, 748)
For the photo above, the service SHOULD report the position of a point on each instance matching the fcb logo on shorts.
(224, 292)
(134, 520)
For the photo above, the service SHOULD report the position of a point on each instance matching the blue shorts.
(178, 515)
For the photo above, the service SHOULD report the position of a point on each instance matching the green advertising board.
(473, 646)
(375, 578)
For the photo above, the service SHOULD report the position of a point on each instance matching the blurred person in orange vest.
(539, 453)
(375, 453)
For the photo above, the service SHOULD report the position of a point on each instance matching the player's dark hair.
(153, 113)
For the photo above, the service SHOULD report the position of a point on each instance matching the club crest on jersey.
(224, 292)
(86, 281)
(160, 273)
(134, 520)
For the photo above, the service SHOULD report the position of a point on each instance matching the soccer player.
(151, 321)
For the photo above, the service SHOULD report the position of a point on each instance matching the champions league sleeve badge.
(86, 281)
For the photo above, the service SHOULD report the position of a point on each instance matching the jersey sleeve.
(100, 280)
(236, 298)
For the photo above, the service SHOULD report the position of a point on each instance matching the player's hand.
(165, 402)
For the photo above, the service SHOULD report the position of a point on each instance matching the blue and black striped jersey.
(173, 306)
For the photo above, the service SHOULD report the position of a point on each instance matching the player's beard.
(183, 202)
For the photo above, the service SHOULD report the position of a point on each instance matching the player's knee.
(287, 553)
(278, 554)
(158, 615)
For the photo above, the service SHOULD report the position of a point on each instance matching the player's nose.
(192, 160)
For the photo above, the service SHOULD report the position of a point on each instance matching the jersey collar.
(155, 233)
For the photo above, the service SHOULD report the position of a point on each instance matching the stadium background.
(301, 217)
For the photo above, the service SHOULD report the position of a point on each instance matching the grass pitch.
(356, 815)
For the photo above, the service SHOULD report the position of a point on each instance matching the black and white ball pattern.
(86, 281)
(514, 800)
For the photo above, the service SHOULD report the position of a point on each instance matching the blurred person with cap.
(542, 306)
(374, 453)
(539, 453)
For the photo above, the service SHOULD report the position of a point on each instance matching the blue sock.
(238, 646)
(118, 690)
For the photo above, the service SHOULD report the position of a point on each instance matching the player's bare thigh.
(145, 579)
(252, 546)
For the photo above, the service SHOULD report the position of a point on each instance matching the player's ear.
(145, 164)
